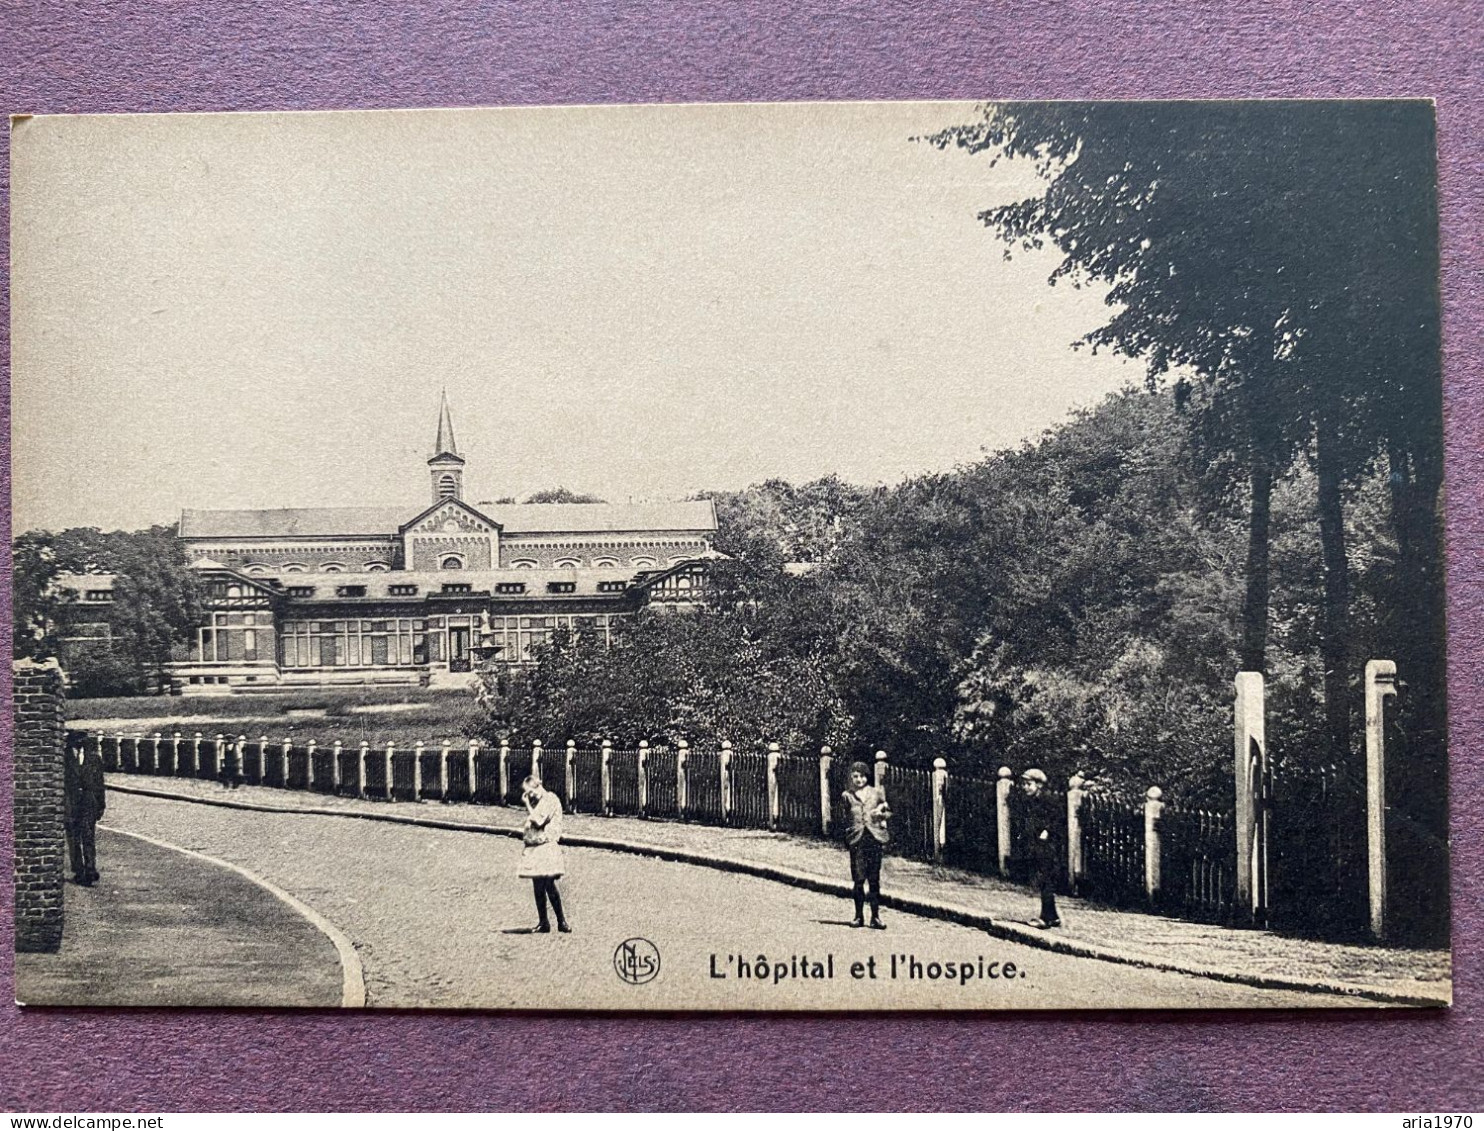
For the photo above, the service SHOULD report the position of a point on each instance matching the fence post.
(880, 769)
(417, 770)
(569, 765)
(1075, 793)
(1380, 684)
(337, 777)
(363, 768)
(643, 777)
(155, 754)
(218, 758)
(195, 755)
(98, 742)
(536, 758)
(1250, 750)
(825, 759)
(138, 758)
(445, 752)
(606, 780)
(390, 759)
(725, 763)
(1002, 786)
(309, 752)
(940, 808)
(504, 769)
(773, 799)
(682, 783)
(288, 746)
(1153, 808)
(473, 769)
(239, 751)
(175, 754)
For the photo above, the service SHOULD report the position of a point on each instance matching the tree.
(1284, 254)
(157, 602)
(562, 495)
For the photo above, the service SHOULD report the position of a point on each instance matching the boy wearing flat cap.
(1039, 821)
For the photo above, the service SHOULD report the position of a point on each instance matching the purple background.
(266, 56)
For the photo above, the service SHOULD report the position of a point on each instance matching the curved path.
(166, 928)
(439, 919)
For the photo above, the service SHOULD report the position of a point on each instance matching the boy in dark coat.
(1040, 819)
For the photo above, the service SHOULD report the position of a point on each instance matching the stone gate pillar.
(1250, 763)
(1380, 685)
(40, 837)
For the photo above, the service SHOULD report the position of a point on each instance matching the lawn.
(431, 716)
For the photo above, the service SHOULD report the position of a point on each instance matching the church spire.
(445, 443)
(446, 466)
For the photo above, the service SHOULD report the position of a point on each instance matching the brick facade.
(40, 838)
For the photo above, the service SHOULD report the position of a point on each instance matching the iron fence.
(703, 787)
(1113, 849)
(623, 783)
(798, 794)
(749, 790)
(971, 813)
(909, 796)
(1198, 865)
(589, 796)
(663, 799)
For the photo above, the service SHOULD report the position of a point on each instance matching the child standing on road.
(866, 838)
(541, 856)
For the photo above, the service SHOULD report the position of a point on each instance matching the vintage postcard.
(755, 557)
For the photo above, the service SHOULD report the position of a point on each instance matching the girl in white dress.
(541, 857)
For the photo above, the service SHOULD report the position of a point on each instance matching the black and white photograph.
(753, 557)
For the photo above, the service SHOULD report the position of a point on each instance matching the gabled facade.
(325, 596)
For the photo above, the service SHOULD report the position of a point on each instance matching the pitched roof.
(528, 518)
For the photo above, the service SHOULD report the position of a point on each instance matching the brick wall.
(40, 842)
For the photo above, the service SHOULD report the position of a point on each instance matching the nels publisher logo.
(637, 961)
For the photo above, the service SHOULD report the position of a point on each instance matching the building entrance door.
(458, 650)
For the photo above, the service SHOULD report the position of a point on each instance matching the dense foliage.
(156, 604)
(1074, 604)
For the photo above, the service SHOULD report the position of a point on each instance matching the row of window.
(503, 587)
(446, 561)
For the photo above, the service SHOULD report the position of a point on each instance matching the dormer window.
(301, 590)
(98, 596)
(612, 586)
(402, 590)
(510, 587)
(350, 591)
(457, 587)
(561, 587)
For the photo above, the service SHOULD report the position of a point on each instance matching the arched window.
(679, 561)
(377, 567)
(606, 563)
(643, 563)
(523, 563)
(451, 561)
(293, 567)
(567, 563)
(332, 567)
(256, 570)
(447, 487)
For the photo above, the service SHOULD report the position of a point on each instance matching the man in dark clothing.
(83, 805)
(1040, 820)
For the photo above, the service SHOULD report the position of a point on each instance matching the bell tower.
(446, 468)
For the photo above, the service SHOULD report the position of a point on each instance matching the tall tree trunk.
(1335, 634)
(1255, 603)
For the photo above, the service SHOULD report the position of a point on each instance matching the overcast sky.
(260, 310)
